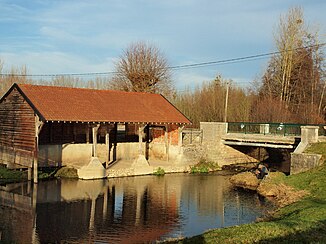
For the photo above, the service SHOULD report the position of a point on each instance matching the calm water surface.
(122, 210)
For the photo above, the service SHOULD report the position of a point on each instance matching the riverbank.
(121, 169)
(8, 176)
(303, 221)
(14, 175)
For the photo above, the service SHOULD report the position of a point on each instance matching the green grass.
(204, 167)
(319, 148)
(300, 222)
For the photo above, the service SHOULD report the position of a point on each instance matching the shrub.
(159, 171)
(204, 166)
(67, 172)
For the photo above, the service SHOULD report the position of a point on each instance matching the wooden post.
(140, 138)
(87, 134)
(180, 128)
(35, 160)
(107, 142)
(94, 132)
(38, 127)
(74, 129)
(147, 142)
(51, 132)
(166, 140)
(29, 174)
(226, 102)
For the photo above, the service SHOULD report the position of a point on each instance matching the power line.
(176, 67)
(240, 59)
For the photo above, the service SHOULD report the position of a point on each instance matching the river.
(123, 210)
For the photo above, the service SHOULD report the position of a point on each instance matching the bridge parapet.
(282, 129)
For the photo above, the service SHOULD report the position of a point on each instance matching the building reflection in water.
(125, 210)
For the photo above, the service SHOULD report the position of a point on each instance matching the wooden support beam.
(141, 129)
(51, 131)
(180, 129)
(87, 134)
(107, 142)
(38, 126)
(94, 132)
(140, 139)
(74, 129)
(29, 173)
(166, 141)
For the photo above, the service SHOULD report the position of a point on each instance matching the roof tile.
(88, 105)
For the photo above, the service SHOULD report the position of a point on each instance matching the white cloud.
(83, 36)
(54, 63)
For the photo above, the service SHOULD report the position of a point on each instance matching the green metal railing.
(282, 129)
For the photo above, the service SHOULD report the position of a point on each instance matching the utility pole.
(226, 102)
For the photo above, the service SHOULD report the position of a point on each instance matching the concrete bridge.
(225, 142)
(270, 135)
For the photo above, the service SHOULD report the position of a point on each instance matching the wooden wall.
(17, 131)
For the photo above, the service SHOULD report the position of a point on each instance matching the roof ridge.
(83, 88)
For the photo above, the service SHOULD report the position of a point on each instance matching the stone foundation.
(301, 162)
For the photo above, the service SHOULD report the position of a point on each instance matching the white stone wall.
(80, 154)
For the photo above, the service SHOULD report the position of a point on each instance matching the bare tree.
(15, 75)
(207, 102)
(294, 76)
(142, 68)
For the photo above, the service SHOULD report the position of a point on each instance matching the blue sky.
(79, 36)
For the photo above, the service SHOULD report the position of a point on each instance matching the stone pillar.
(213, 131)
(309, 134)
(264, 129)
(300, 161)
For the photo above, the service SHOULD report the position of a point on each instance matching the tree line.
(291, 89)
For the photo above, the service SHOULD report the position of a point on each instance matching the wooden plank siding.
(17, 131)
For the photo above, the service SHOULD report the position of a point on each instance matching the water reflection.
(122, 210)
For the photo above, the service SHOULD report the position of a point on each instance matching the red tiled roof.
(88, 105)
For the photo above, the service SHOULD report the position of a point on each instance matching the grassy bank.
(301, 222)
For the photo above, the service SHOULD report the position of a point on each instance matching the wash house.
(46, 126)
